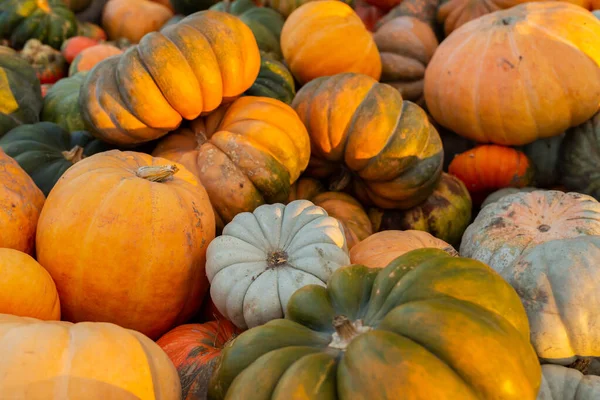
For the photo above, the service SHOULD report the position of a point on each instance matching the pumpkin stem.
(74, 155)
(157, 173)
(43, 5)
(340, 182)
(581, 364)
(346, 331)
(277, 259)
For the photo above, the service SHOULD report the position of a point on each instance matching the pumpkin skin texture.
(75, 45)
(263, 257)
(61, 103)
(88, 58)
(20, 205)
(344, 45)
(398, 333)
(246, 153)
(274, 80)
(26, 288)
(48, 63)
(34, 368)
(406, 45)
(367, 138)
(125, 103)
(424, 10)
(514, 224)
(132, 19)
(45, 151)
(455, 13)
(471, 92)
(193, 349)
(381, 248)
(286, 7)
(564, 383)
(580, 158)
(498, 194)
(148, 283)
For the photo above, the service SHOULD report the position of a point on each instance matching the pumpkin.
(27, 289)
(166, 3)
(445, 214)
(487, 168)
(20, 91)
(20, 206)
(75, 45)
(274, 80)
(137, 229)
(384, 4)
(88, 58)
(366, 138)
(381, 248)
(406, 45)
(285, 7)
(45, 150)
(193, 349)
(579, 161)
(455, 13)
(77, 5)
(563, 383)
(487, 81)
(265, 23)
(544, 155)
(263, 257)
(323, 38)
(340, 206)
(132, 19)
(48, 63)
(424, 10)
(368, 13)
(516, 223)
(105, 362)
(187, 7)
(138, 97)
(419, 328)
(246, 153)
(49, 21)
(500, 193)
(61, 103)
(92, 31)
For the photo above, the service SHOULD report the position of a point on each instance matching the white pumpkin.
(562, 383)
(500, 193)
(263, 257)
(507, 228)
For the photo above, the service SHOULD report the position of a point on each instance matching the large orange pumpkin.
(21, 202)
(132, 19)
(518, 75)
(180, 72)
(124, 235)
(323, 38)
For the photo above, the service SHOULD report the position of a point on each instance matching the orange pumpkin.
(517, 75)
(194, 349)
(89, 57)
(423, 10)
(26, 288)
(21, 202)
(75, 45)
(323, 38)
(132, 19)
(455, 13)
(124, 236)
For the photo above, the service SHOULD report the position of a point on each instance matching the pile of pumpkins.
(299, 199)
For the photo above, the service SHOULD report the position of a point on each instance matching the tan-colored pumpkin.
(132, 19)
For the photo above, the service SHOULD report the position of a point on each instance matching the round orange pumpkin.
(132, 19)
(124, 236)
(323, 38)
(89, 57)
(517, 75)
(26, 288)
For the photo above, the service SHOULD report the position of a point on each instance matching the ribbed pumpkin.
(564, 383)
(49, 21)
(137, 228)
(365, 137)
(105, 362)
(61, 103)
(194, 349)
(285, 7)
(132, 19)
(424, 10)
(455, 13)
(274, 80)
(88, 58)
(323, 38)
(495, 78)
(516, 223)
(20, 206)
(45, 150)
(419, 329)
(20, 91)
(139, 96)
(500, 193)
(48, 63)
(246, 153)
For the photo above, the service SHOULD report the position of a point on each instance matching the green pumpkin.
(90, 30)
(187, 7)
(544, 154)
(61, 104)
(580, 158)
(20, 91)
(265, 23)
(274, 80)
(445, 214)
(49, 21)
(45, 150)
(428, 326)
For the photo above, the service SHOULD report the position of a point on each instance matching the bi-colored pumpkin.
(48, 63)
(274, 80)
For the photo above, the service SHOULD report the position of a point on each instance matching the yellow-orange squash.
(246, 153)
(517, 75)
(132, 19)
(26, 288)
(21, 202)
(364, 136)
(323, 38)
(54, 360)
(124, 236)
(180, 72)
(89, 57)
